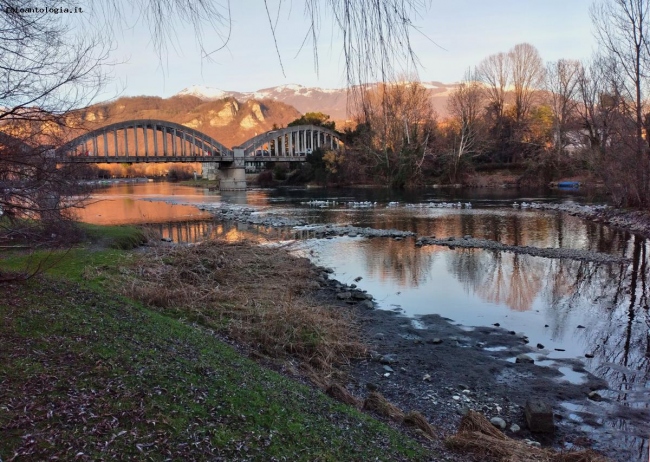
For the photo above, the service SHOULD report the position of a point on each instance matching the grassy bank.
(87, 373)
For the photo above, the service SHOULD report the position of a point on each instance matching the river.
(571, 308)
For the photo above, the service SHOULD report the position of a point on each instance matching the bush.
(280, 172)
(265, 179)
(180, 174)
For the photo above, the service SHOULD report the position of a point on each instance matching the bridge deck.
(143, 159)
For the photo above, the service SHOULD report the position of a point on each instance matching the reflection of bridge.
(136, 141)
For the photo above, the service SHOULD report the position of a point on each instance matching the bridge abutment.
(209, 170)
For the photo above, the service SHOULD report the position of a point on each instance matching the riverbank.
(90, 374)
(145, 380)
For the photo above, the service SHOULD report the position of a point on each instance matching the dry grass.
(256, 295)
(377, 403)
(478, 436)
(418, 421)
(341, 394)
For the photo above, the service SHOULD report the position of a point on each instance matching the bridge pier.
(233, 176)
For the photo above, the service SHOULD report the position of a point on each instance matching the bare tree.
(562, 79)
(45, 72)
(399, 124)
(621, 27)
(465, 104)
(599, 96)
(527, 78)
(495, 72)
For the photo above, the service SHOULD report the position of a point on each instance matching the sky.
(448, 38)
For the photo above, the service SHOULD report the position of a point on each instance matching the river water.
(572, 308)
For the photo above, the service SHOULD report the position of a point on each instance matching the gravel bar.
(568, 254)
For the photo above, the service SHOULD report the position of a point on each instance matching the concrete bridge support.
(209, 170)
(233, 177)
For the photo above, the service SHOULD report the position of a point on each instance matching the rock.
(540, 346)
(352, 234)
(539, 416)
(166, 239)
(367, 304)
(594, 396)
(451, 238)
(358, 295)
(533, 443)
(463, 410)
(514, 428)
(498, 422)
(369, 297)
(512, 332)
(560, 349)
(313, 285)
(426, 378)
(589, 355)
(344, 295)
(328, 270)
(496, 324)
(388, 369)
(435, 341)
(357, 279)
(524, 359)
(388, 359)
(580, 326)
(456, 398)
(374, 355)
(371, 386)
(467, 236)
(353, 286)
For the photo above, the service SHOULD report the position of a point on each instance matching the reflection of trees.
(611, 299)
(615, 297)
(398, 261)
(502, 278)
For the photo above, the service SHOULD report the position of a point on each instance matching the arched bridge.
(136, 141)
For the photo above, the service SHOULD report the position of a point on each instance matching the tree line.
(549, 119)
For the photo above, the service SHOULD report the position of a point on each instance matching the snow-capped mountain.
(311, 99)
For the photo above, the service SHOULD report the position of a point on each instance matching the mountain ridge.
(331, 101)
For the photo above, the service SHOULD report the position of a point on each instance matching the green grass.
(114, 237)
(91, 375)
(83, 372)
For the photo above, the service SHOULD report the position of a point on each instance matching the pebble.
(435, 341)
(344, 295)
(524, 359)
(498, 422)
(456, 398)
(540, 346)
(388, 359)
(367, 304)
(388, 369)
(594, 396)
(589, 355)
(514, 428)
